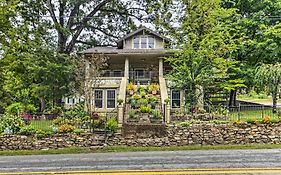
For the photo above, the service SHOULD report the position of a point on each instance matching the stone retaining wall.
(202, 134)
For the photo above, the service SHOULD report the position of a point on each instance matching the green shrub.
(40, 134)
(145, 109)
(185, 124)
(77, 131)
(132, 113)
(218, 122)
(274, 120)
(252, 120)
(142, 94)
(142, 102)
(10, 122)
(15, 108)
(136, 96)
(153, 99)
(142, 88)
(156, 114)
(27, 130)
(111, 124)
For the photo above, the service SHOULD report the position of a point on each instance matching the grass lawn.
(258, 114)
(267, 100)
(80, 150)
(44, 125)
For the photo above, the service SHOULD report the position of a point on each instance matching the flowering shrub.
(10, 122)
(26, 117)
(65, 128)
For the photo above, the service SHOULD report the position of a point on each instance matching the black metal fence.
(220, 112)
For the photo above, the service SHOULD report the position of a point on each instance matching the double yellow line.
(157, 171)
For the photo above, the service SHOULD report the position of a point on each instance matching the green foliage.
(13, 123)
(219, 122)
(185, 124)
(111, 124)
(132, 113)
(269, 75)
(136, 96)
(77, 131)
(40, 134)
(274, 120)
(142, 102)
(252, 120)
(27, 130)
(145, 109)
(15, 108)
(156, 114)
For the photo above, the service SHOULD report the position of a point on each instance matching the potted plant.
(154, 88)
(131, 88)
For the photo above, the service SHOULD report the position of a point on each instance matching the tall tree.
(269, 76)
(91, 22)
(207, 35)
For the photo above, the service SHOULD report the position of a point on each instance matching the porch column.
(160, 67)
(126, 72)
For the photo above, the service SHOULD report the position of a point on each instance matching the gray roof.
(139, 30)
(114, 50)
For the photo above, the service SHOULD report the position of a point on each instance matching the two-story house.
(138, 58)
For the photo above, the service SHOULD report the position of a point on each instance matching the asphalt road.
(199, 159)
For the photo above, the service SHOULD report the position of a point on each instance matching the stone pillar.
(168, 114)
(126, 72)
(120, 115)
(160, 67)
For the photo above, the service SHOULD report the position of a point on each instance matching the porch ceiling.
(135, 58)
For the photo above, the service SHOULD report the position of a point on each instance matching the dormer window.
(144, 42)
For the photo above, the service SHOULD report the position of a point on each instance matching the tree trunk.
(232, 98)
(274, 100)
(42, 104)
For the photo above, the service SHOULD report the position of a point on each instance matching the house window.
(117, 73)
(136, 43)
(111, 101)
(144, 42)
(150, 42)
(176, 100)
(70, 101)
(98, 98)
(139, 73)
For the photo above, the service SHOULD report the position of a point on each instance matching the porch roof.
(115, 50)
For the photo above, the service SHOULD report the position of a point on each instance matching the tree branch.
(84, 21)
(51, 11)
(101, 30)
(98, 45)
(73, 13)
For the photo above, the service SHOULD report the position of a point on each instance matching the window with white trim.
(151, 42)
(98, 98)
(176, 99)
(111, 98)
(136, 43)
(143, 42)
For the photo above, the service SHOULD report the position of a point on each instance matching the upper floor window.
(136, 42)
(144, 42)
